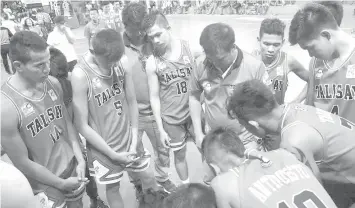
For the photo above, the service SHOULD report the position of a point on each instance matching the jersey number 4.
(181, 87)
(303, 199)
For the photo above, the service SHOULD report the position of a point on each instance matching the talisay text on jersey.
(45, 119)
(335, 91)
(109, 93)
(178, 73)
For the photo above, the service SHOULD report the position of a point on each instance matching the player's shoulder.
(151, 64)
(251, 63)
(225, 181)
(9, 110)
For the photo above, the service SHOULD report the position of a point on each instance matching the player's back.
(174, 79)
(284, 183)
(333, 89)
(108, 108)
(277, 71)
(336, 163)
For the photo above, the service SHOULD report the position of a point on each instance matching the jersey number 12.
(300, 200)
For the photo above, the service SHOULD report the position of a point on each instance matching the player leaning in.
(168, 71)
(332, 82)
(106, 114)
(318, 138)
(218, 71)
(36, 131)
(278, 63)
(136, 51)
(337, 10)
(248, 178)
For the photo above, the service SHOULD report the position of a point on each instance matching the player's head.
(313, 27)
(59, 21)
(108, 46)
(29, 55)
(193, 195)
(157, 28)
(254, 105)
(94, 14)
(16, 191)
(58, 63)
(271, 37)
(222, 149)
(132, 17)
(336, 8)
(217, 41)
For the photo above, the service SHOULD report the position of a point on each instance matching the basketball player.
(192, 195)
(94, 26)
(332, 83)
(255, 179)
(324, 141)
(14, 183)
(223, 66)
(106, 114)
(278, 63)
(168, 71)
(137, 51)
(37, 132)
(337, 10)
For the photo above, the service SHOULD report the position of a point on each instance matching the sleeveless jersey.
(333, 89)
(286, 183)
(277, 71)
(173, 78)
(337, 162)
(43, 128)
(108, 109)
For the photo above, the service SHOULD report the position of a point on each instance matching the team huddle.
(258, 151)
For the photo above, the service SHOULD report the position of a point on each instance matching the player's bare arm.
(305, 145)
(302, 96)
(154, 87)
(16, 149)
(81, 111)
(73, 136)
(131, 101)
(295, 66)
(195, 105)
(224, 192)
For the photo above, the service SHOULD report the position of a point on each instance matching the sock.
(185, 181)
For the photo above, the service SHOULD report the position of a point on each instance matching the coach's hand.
(165, 139)
(125, 157)
(80, 171)
(70, 184)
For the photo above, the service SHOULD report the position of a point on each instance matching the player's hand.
(165, 139)
(80, 171)
(125, 158)
(70, 184)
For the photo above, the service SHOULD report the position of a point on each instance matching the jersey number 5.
(181, 87)
(118, 106)
(300, 200)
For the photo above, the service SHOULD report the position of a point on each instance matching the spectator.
(30, 25)
(44, 20)
(9, 24)
(63, 39)
(5, 36)
(94, 26)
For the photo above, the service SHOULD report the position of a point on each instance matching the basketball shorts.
(50, 197)
(179, 134)
(107, 171)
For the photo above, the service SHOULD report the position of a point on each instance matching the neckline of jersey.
(24, 96)
(275, 62)
(97, 73)
(342, 65)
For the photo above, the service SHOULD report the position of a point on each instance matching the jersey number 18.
(181, 87)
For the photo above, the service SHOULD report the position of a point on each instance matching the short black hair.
(272, 26)
(336, 8)
(217, 36)
(58, 63)
(193, 195)
(108, 43)
(59, 19)
(309, 21)
(134, 13)
(222, 139)
(251, 97)
(24, 42)
(155, 17)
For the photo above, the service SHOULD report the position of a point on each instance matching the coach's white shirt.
(59, 40)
